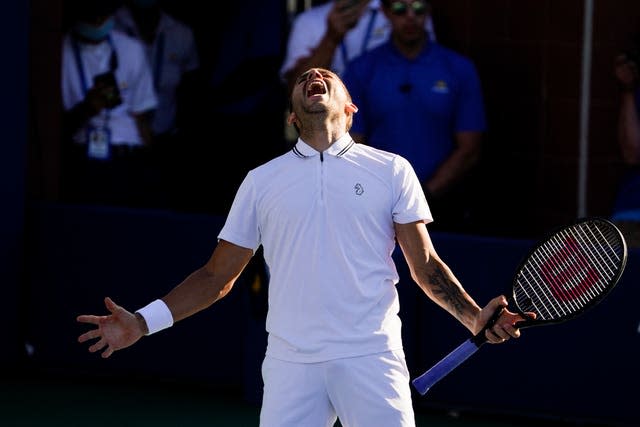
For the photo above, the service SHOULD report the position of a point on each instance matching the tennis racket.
(568, 272)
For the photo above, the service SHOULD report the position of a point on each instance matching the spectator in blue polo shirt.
(424, 102)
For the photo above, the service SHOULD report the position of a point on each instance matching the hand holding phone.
(107, 85)
(344, 16)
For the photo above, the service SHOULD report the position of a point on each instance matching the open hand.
(114, 332)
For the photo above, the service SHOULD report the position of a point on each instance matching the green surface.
(113, 403)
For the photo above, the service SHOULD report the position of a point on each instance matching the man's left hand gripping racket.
(565, 274)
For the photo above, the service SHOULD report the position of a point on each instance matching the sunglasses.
(399, 8)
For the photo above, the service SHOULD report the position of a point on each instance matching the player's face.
(320, 91)
(317, 90)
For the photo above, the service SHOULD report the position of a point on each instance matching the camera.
(108, 86)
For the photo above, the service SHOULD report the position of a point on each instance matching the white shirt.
(134, 80)
(309, 27)
(172, 54)
(326, 224)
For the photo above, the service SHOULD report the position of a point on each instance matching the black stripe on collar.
(345, 149)
(297, 152)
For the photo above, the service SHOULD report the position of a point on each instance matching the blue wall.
(13, 122)
(587, 368)
(583, 369)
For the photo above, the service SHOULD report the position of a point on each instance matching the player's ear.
(351, 108)
(292, 118)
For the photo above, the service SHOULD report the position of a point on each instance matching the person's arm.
(339, 21)
(437, 280)
(143, 123)
(206, 285)
(455, 167)
(628, 121)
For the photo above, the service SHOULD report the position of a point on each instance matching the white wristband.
(157, 316)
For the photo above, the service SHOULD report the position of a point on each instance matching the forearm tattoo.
(448, 292)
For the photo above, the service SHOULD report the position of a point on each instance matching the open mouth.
(316, 87)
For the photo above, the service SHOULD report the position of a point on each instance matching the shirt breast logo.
(359, 189)
(440, 87)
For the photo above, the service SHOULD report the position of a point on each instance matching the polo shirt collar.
(427, 53)
(337, 149)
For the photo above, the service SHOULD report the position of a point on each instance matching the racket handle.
(465, 350)
(441, 369)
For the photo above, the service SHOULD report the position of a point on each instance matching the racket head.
(569, 271)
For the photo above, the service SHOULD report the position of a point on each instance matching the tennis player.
(327, 214)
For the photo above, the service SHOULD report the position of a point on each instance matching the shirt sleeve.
(305, 35)
(140, 80)
(410, 202)
(71, 90)
(241, 226)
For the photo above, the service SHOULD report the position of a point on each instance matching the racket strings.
(570, 270)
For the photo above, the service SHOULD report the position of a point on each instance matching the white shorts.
(367, 391)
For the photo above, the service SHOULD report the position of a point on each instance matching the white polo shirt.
(326, 224)
(134, 81)
(309, 27)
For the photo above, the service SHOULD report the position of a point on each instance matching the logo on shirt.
(440, 87)
(359, 189)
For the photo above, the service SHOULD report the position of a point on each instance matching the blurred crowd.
(163, 109)
(160, 114)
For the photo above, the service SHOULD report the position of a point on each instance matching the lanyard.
(113, 62)
(365, 40)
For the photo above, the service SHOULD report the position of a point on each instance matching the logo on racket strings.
(568, 273)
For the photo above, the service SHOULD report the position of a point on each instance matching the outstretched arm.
(120, 328)
(437, 280)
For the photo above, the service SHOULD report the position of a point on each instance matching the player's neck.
(320, 137)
